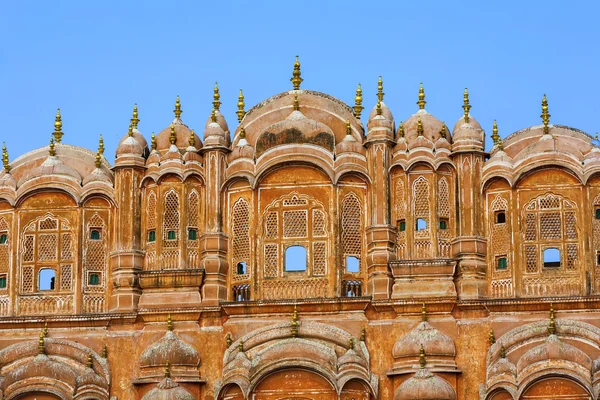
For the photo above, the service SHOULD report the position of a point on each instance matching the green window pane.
(402, 226)
(3, 282)
(95, 234)
(94, 279)
(597, 213)
(171, 235)
(502, 264)
(152, 236)
(192, 234)
(443, 225)
(3, 238)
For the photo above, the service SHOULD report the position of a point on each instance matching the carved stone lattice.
(319, 223)
(150, 226)
(151, 211)
(295, 224)
(443, 198)
(271, 255)
(421, 198)
(171, 232)
(295, 289)
(95, 261)
(351, 226)
(319, 258)
(240, 228)
(500, 247)
(4, 254)
(193, 223)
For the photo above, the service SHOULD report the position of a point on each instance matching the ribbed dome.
(170, 349)
(220, 120)
(435, 343)
(182, 136)
(425, 386)
(431, 128)
(351, 357)
(554, 349)
(349, 145)
(43, 366)
(130, 145)
(468, 133)
(503, 366)
(54, 166)
(385, 111)
(97, 175)
(168, 389)
(214, 129)
(8, 180)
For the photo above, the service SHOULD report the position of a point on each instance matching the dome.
(468, 131)
(170, 349)
(385, 112)
(182, 136)
(168, 389)
(554, 349)
(349, 144)
(425, 386)
(435, 343)
(90, 377)
(220, 120)
(97, 175)
(8, 180)
(431, 127)
(129, 145)
(213, 129)
(296, 128)
(351, 357)
(54, 166)
(503, 366)
(42, 365)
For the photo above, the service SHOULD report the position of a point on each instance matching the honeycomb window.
(443, 224)
(3, 281)
(295, 259)
(171, 235)
(598, 213)
(3, 238)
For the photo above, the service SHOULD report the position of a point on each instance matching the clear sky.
(95, 59)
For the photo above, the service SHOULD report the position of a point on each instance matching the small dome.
(90, 377)
(129, 145)
(431, 127)
(182, 136)
(97, 175)
(8, 180)
(42, 365)
(349, 144)
(54, 166)
(168, 389)
(351, 357)
(170, 349)
(554, 349)
(220, 120)
(435, 343)
(503, 366)
(385, 112)
(468, 133)
(213, 129)
(425, 386)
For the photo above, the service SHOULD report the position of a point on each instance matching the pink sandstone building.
(308, 251)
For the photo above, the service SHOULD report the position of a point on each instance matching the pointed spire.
(552, 325)
(213, 115)
(378, 108)
(401, 130)
(45, 329)
(351, 343)
(296, 79)
(296, 103)
(192, 140)
(295, 322)
(168, 370)
(363, 334)
(502, 351)
(130, 131)
(52, 150)
(134, 119)
(443, 131)
(177, 111)
(41, 344)
(98, 161)
(216, 97)
(492, 337)
(240, 112)
(172, 136)
(228, 340)
(421, 101)
(101, 145)
(466, 106)
(348, 128)
(241, 346)
(380, 93)
(90, 361)
(545, 115)
(58, 134)
(358, 102)
(104, 351)
(419, 126)
(169, 323)
(153, 142)
(423, 313)
(5, 158)
(422, 361)
(496, 138)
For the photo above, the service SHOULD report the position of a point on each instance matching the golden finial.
(380, 89)
(168, 370)
(552, 325)
(419, 126)
(134, 119)
(495, 136)
(358, 102)
(241, 346)
(101, 145)
(351, 343)
(443, 130)
(502, 351)
(213, 115)
(240, 112)
(492, 337)
(401, 130)
(172, 136)
(378, 108)
(153, 141)
(242, 133)
(228, 340)
(192, 140)
(363, 334)
(422, 361)
(421, 101)
(45, 329)
(104, 351)
(58, 134)
(348, 128)
(41, 344)
(216, 97)
(545, 115)
(52, 151)
(90, 361)
(466, 105)
(130, 130)
(177, 109)
(169, 323)
(295, 322)
(98, 161)
(296, 103)
(5, 158)
(296, 79)
(423, 313)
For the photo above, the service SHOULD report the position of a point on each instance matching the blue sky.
(95, 59)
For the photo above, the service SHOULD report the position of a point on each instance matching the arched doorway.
(38, 396)
(556, 389)
(294, 384)
(355, 390)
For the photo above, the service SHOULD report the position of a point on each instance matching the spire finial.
(545, 115)
(90, 361)
(192, 140)
(241, 346)
(228, 340)
(421, 101)
(502, 351)
(240, 112)
(98, 161)
(492, 337)
(295, 322)
(169, 323)
(168, 370)
(45, 329)
(101, 145)
(401, 130)
(443, 131)
(423, 313)
(380, 93)
(41, 344)
(134, 119)
(358, 102)
(153, 141)
(552, 325)
(52, 150)
(5, 158)
(216, 97)
(351, 343)
(58, 134)
(296, 103)
(378, 108)
(130, 130)
(213, 115)
(348, 127)
(104, 351)
(466, 105)
(419, 126)
(242, 133)
(172, 136)
(363, 334)
(296, 79)
(177, 109)
(422, 361)
(496, 137)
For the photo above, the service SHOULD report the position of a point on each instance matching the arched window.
(240, 228)
(421, 224)
(551, 257)
(352, 264)
(500, 217)
(351, 225)
(46, 279)
(295, 259)
(3, 238)
(241, 268)
(95, 234)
